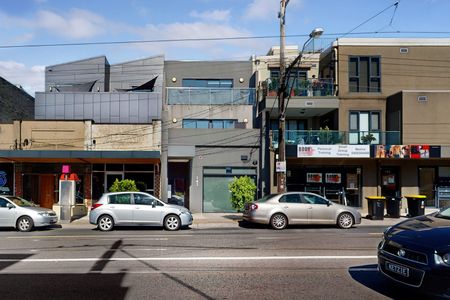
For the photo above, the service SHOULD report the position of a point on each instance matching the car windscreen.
(266, 198)
(21, 202)
(444, 214)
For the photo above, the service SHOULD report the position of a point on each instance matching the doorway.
(427, 179)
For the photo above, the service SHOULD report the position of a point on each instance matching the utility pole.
(281, 163)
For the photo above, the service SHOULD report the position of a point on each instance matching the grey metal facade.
(91, 89)
(123, 107)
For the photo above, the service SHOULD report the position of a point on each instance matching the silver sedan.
(24, 215)
(136, 208)
(299, 208)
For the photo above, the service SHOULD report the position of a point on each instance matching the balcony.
(210, 96)
(298, 87)
(331, 137)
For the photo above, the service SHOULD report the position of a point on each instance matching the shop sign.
(333, 177)
(407, 151)
(337, 151)
(281, 166)
(314, 177)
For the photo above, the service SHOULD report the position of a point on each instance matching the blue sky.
(24, 22)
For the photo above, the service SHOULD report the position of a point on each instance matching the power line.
(337, 34)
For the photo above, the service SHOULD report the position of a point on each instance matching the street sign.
(281, 166)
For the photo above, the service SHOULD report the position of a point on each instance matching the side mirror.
(328, 203)
(9, 205)
(154, 204)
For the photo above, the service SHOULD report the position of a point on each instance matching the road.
(251, 262)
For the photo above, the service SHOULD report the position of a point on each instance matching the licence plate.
(397, 269)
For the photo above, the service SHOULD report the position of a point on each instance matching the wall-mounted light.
(241, 80)
(174, 120)
(174, 79)
(245, 120)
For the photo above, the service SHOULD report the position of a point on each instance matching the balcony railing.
(315, 87)
(210, 96)
(331, 137)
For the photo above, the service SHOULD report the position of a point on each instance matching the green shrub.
(125, 185)
(242, 191)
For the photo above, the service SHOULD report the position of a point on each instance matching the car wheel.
(105, 223)
(172, 222)
(278, 221)
(345, 220)
(25, 224)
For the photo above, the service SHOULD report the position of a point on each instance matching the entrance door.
(47, 191)
(427, 179)
(111, 177)
(390, 185)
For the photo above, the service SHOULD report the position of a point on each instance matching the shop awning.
(79, 156)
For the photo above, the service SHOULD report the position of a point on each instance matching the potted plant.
(368, 138)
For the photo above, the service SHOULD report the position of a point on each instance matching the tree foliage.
(242, 191)
(125, 185)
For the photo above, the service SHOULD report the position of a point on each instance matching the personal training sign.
(334, 151)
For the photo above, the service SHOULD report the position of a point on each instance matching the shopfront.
(6, 178)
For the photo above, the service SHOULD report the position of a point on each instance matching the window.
(363, 123)
(194, 123)
(313, 199)
(143, 199)
(364, 74)
(120, 199)
(3, 203)
(290, 198)
(208, 83)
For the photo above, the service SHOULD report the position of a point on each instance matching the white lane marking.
(136, 239)
(147, 249)
(95, 259)
(96, 236)
(270, 238)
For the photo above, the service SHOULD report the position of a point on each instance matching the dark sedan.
(416, 253)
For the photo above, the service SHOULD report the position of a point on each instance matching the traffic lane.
(191, 245)
(290, 279)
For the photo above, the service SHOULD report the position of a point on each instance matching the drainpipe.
(336, 71)
(20, 135)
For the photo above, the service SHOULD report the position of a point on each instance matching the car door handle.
(112, 207)
(310, 207)
(137, 207)
(286, 207)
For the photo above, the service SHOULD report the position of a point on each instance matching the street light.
(281, 165)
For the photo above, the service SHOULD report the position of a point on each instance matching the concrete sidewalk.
(223, 220)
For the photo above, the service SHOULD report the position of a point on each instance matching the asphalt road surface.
(247, 262)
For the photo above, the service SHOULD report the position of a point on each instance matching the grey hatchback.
(24, 215)
(135, 209)
(279, 210)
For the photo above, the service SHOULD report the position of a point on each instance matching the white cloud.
(31, 79)
(268, 9)
(76, 24)
(212, 15)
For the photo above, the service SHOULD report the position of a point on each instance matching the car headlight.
(387, 230)
(44, 214)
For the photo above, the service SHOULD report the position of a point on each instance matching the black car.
(416, 253)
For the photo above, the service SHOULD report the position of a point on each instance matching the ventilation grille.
(404, 50)
(422, 98)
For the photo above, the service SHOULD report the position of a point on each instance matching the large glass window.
(364, 127)
(208, 83)
(364, 74)
(195, 123)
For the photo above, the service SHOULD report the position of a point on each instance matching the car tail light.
(253, 206)
(96, 205)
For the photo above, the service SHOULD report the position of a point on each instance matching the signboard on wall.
(335, 151)
(407, 151)
(314, 177)
(333, 177)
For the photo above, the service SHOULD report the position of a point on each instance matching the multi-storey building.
(102, 120)
(208, 132)
(377, 126)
